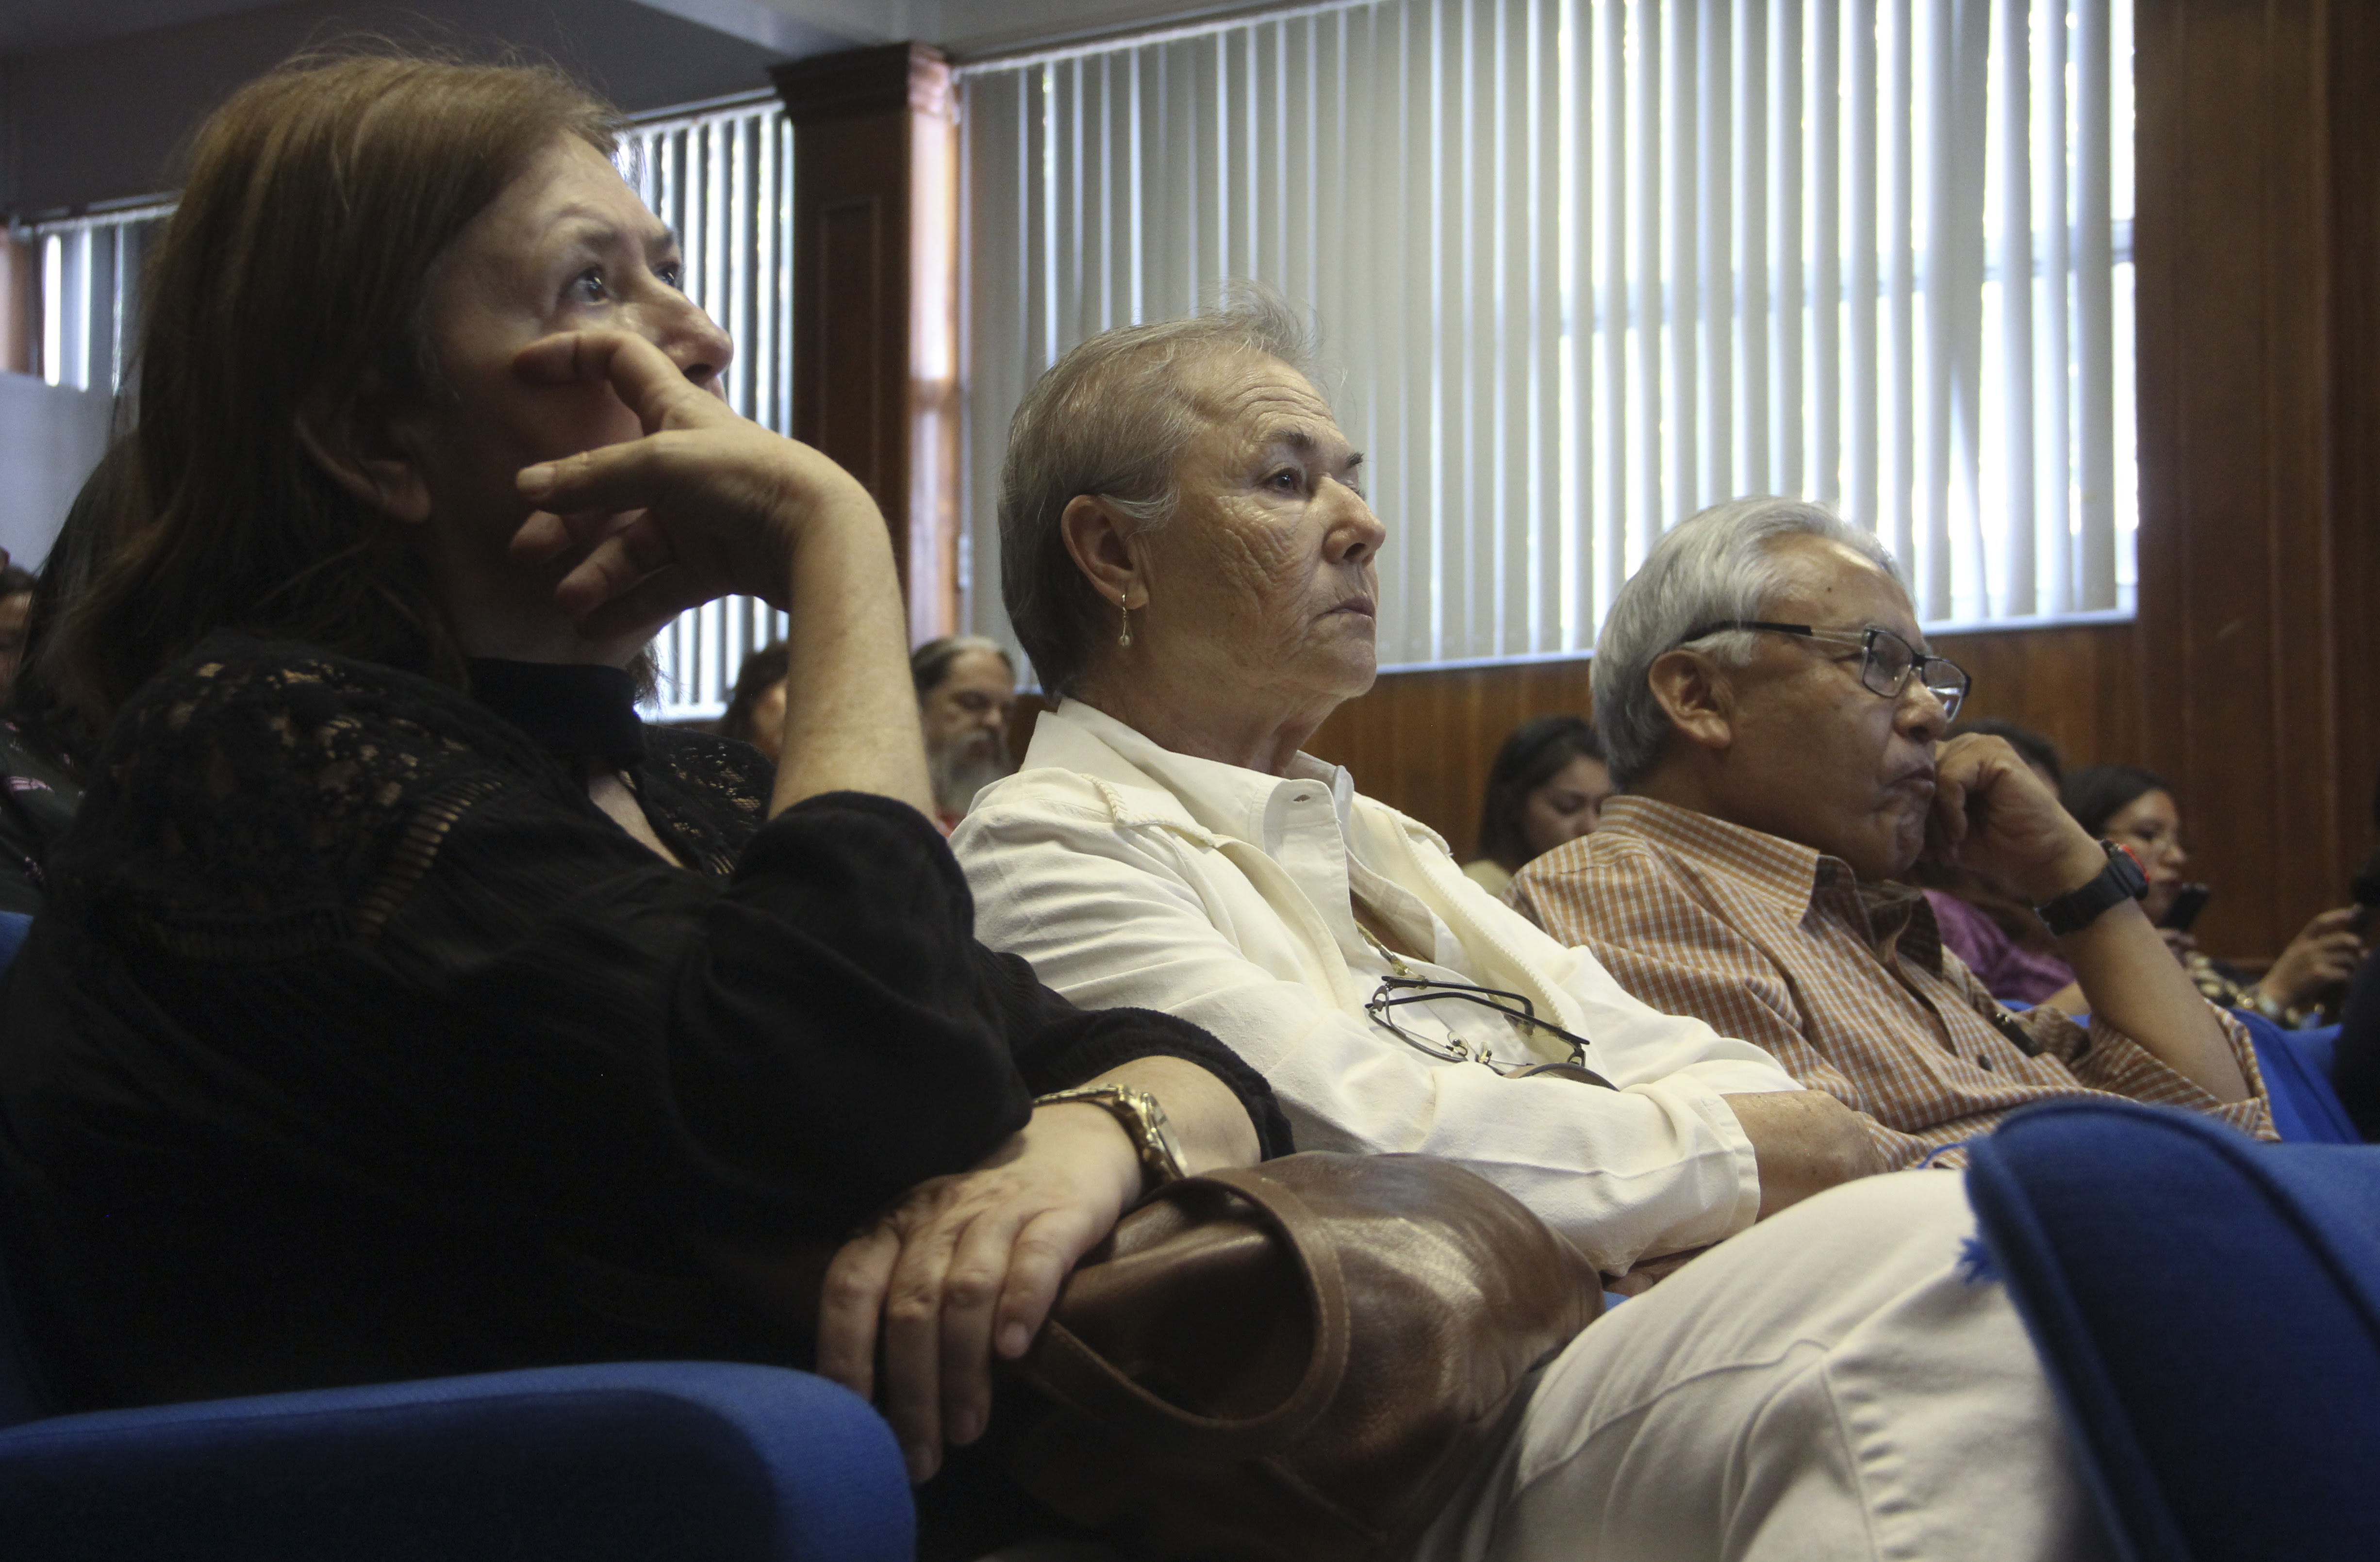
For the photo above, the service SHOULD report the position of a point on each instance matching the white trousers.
(1831, 1385)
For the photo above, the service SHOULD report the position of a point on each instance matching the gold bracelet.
(1143, 1121)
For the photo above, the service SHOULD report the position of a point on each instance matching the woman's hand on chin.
(705, 504)
(968, 1264)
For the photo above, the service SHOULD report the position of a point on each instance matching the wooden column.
(876, 295)
(20, 304)
(2259, 297)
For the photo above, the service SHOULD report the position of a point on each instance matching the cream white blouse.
(1129, 875)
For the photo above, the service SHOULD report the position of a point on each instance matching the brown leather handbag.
(1299, 1361)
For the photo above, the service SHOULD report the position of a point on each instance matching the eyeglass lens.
(1890, 660)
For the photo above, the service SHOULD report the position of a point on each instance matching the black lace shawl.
(355, 1039)
(38, 795)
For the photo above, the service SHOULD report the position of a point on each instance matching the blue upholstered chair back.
(2306, 1110)
(2209, 1309)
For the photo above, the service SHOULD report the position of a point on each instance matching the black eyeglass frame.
(1921, 664)
(1395, 991)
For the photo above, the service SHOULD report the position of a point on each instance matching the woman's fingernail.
(966, 1427)
(1014, 1340)
(536, 480)
(922, 1462)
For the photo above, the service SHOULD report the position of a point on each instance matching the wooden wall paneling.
(2255, 269)
(875, 291)
(850, 369)
(2077, 684)
(2355, 411)
(1421, 742)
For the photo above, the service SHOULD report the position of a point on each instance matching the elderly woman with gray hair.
(1188, 559)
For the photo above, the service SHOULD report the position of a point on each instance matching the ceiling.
(95, 95)
(974, 27)
(28, 26)
(785, 27)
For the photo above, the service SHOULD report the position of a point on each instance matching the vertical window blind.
(91, 270)
(1585, 266)
(721, 175)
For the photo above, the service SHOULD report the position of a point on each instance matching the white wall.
(50, 439)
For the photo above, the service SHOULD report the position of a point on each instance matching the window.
(1585, 266)
(722, 175)
(90, 269)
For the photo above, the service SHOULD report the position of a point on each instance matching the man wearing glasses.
(1772, 714)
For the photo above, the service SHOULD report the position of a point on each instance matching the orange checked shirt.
(1847, 985)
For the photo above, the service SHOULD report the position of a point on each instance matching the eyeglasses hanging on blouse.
(1395, 991)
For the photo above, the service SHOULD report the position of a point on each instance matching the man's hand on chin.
(1992, 813)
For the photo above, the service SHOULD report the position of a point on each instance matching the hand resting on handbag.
(968, 1266)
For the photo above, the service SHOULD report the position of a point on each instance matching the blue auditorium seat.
(2296, 1065)
(2208, 1308)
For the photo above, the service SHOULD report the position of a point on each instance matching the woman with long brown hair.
(403, 1001)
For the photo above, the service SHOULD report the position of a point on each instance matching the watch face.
(1164, 1149)
(2127, 872)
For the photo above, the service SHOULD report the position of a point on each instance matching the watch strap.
(2121, 879)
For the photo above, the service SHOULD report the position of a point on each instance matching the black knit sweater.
(356, 1044)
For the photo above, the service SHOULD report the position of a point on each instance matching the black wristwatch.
(2121, 879)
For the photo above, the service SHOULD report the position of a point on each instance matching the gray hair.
(1110, 419)
(930, 663)
(1719, 565)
